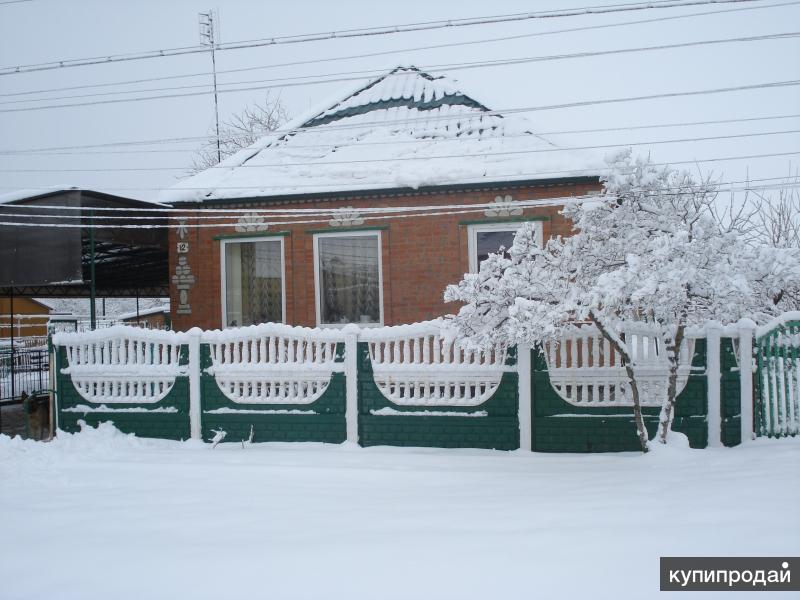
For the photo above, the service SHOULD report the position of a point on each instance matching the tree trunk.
(641, 430)
(668, 406)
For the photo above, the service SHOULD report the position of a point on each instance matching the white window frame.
(473, 230)
(223, 274)
(318, 283)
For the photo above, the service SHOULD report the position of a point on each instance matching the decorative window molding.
(505, 207)
(346, 217)
(250, 222)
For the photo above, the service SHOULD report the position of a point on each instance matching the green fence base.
(277, 428)
(499, 433)
(168, 426)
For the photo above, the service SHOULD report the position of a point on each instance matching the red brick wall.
(421, 255)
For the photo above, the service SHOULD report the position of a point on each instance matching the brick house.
(406, 139)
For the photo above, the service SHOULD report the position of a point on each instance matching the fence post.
(525, 398)
(56, 397)
(351, 382)
(747, 331)
(713, 382)
(195, 412)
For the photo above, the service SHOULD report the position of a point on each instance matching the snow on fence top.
(413, 365)
(780, 321)
(274, 364)
(402, 129)
(122, 364)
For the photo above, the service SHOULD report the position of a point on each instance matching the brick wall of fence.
(402, 386)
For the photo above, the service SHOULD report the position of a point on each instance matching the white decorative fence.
(586, 371)
(122, 365)
(273, 364)
(419, 365)
(424, 365)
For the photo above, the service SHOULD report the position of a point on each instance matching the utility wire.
(159, 141)
(325, 77)
(395, 52)
(356, 76)
(370, 187)
(473, 209)
(407, 158)
(234, 213)
(365, 32)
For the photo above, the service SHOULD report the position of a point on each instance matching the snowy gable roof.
(403, 129)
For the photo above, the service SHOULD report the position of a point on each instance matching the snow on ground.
(103, 515)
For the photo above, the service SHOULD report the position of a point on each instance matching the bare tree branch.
(240, 131)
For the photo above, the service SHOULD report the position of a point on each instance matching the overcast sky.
(48, 30)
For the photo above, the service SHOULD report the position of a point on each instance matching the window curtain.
(253, 283)
(349, 272)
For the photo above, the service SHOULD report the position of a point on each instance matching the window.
(252, 281)
(489, 238)
(347, 267)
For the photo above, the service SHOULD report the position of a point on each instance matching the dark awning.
(47, 261)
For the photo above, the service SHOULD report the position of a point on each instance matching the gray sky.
(47, 30)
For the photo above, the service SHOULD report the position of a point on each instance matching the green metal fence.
(778, 379)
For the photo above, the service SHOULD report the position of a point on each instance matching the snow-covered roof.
(25, 194)
(46, 303)
(164, 308)
(403, 129)
(36, 193)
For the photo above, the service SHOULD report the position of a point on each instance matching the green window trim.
(500, 220)
(346, 229)
(251, 234)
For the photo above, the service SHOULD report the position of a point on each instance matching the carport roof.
(128, 262)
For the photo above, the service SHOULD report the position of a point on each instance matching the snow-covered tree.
(647, 251)
(240, 131)
(767, 218)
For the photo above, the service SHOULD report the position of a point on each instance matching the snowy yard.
(102, 515)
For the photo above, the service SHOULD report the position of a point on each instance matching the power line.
(424, 158)
(542, 203)
(314, 79)
(511, 177)
(349, 76)
(165, 212)
(159, 141)
(502, 112)
(365, 32)
(418, 48)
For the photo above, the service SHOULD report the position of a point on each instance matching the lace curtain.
(253, 283)
(349, 274)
